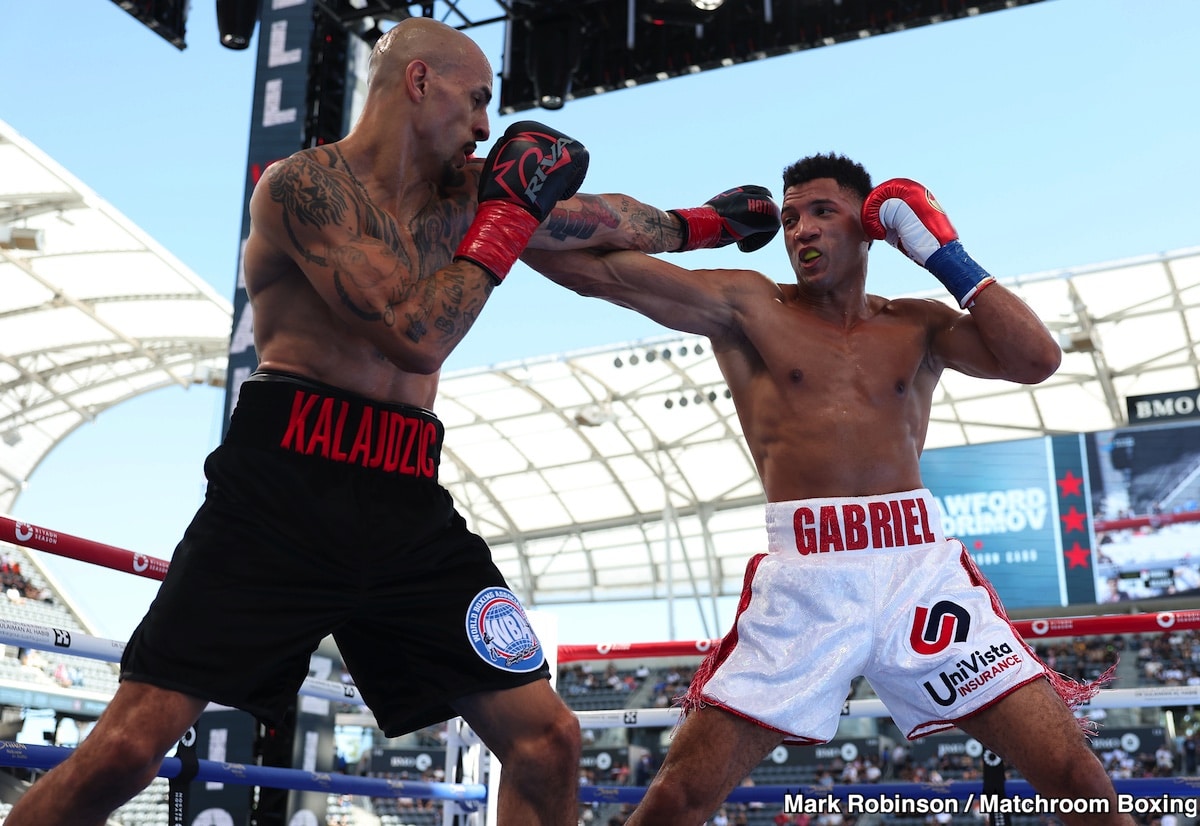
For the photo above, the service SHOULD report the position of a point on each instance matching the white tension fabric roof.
(92, 311)
(586, 471)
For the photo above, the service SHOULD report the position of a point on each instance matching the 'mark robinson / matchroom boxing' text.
(895, 804)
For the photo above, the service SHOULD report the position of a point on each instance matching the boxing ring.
(469, 800)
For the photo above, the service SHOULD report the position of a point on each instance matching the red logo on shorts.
(935, 628)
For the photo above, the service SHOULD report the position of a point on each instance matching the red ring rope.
(85, 550)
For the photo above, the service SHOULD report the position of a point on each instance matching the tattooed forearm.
(611, 222)
(464, 320)
(652, 230)
(582, 222)
(452, 307)
(417, 328)
(460, 306)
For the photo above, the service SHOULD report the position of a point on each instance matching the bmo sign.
(1164, 406)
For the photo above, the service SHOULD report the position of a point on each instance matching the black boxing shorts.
(323, 515)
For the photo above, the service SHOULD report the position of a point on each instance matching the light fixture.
(594, 415)
(680, 12)
(553, 63)
(22, 238)
(1078, 341)
(236, 20)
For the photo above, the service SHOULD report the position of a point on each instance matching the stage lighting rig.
(166, 18)
(625, 43)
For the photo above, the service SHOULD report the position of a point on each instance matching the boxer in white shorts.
(833, 387)
(936, 647)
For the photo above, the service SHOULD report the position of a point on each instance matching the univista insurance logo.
(970, 673)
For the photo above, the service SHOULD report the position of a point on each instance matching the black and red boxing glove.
(906, 215)
(745, 215)
(529, 170)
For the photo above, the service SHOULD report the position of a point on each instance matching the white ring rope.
(66, 641)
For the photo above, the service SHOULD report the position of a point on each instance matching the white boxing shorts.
(863, 585)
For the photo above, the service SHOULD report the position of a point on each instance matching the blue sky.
(1055, 135)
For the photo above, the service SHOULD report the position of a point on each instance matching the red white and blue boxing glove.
(745, 215)
(907, 216)
(529, 170)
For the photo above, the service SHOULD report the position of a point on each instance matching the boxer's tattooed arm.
(314, 195)
(618, 221)
(308, 196)
(403, 280)
(450, 307)
(451, 300)
(653, 230)
(356, 280)
(365, 270)
(582, 221)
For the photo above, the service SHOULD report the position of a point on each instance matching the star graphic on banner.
(1071, 485)
(1073, 520)
(1077, 556)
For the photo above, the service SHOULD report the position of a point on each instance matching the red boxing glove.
(907, 216)
(529, 170)
(744, 215)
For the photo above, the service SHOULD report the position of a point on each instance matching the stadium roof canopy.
(92, 311)
(586, 471)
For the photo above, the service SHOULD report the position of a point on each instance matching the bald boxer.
(368, 260)
(833, 387)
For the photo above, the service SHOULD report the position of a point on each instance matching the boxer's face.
(467, 91)
(822, 230)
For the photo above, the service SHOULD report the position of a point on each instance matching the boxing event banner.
(1078, 519)
(1000, 500)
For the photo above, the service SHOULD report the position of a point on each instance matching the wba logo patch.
(500, 632)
